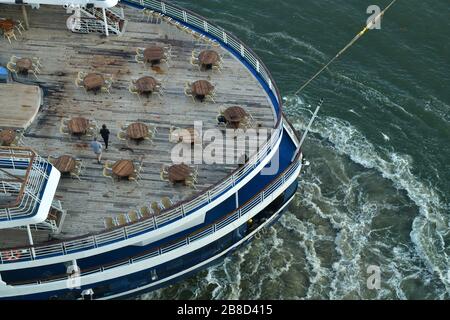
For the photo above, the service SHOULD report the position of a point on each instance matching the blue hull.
(120, 287)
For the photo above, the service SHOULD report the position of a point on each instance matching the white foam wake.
(431, 226)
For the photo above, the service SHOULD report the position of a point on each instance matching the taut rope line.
(359, 35)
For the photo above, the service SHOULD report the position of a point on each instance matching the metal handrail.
(36, 175)
(195, 236)
(186, 207)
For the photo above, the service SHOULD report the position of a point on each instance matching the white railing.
(180, 210)
(34, 170)
(98, 25)
(230, 218)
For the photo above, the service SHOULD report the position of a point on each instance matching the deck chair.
(108, 164)
(63, 128)
(132, 88)
(33, 72)
(9, 35)
(166, 202)
(210, 97)
(122, 219)
(139, 168)
(79, 83)
(196, 37)
(168, 49)
(133, 216)
(196, 63)
(155, 207)
(37, 61)
(121, 135)
(190, 183)
(164, 173)
(106, 88)
(140, 51)
(81, 75)
(139, 59)
(14, 59)
(217, 67)
(148, 13)
(109, 223)
(17, 140)
(165, 60)
(164, 176)
(36, 68)
(91, 131)
(173, 134)
(76, 173)
(108, 174)
(188, 93)
(19, 26)
(12, 67)
(145, 212)
(134, 177)
(214, 43)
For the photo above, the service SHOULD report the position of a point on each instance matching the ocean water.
(377, 192)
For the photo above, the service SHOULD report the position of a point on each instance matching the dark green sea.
(377, 191)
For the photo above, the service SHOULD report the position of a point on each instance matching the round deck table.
(7, 24)
(201, 88)
(146, 84)
(234, 115)
(93, 81)
(179, 173)
(78, 125)
(154, 54)
(123, 168)
(23, 65)
(7, 137)
(65, 164)
(137, 131)
(208, 58)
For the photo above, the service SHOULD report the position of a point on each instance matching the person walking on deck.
(104, 132)
(97, 148)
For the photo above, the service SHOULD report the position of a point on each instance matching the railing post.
(205, 26)
(185, 16)
(225, 37)
(258, 66)
(242, 50)
(163, 7)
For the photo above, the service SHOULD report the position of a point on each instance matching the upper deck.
(63, 54)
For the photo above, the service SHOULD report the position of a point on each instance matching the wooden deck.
(64, 53)
(19, 105)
